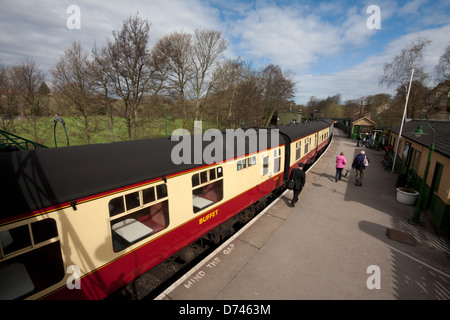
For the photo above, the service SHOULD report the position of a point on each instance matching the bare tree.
(248, 100)
(25, 80)
(208, 45)
(227, 78)
(175, 52)
(398, 71)
(278, 88)
(157, 106)
(128, 71)
(443, 67)
(72, 81)
(102, 86)
(8, 109)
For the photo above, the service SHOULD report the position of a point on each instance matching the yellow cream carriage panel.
(259, 167)
(85, 235)
(306, 144)
(297, 149)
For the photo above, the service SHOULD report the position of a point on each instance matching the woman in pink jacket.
(340, 164)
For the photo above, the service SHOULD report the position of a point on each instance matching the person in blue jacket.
(360, 163)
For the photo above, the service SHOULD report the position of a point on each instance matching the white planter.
(407, 197)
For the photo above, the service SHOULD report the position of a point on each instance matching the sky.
(331, 46)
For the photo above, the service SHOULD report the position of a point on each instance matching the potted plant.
(407, 194)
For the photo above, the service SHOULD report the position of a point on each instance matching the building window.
(207, 188)
(138, 215)
(415, 159)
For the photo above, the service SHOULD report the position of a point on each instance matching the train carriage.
(81, 222)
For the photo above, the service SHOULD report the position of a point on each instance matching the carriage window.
(241, 164)
(246, 163)
(212, 174)
(298, 150)
(132, 200)
(148, 195)
(208, 190)
(151, 216)
(116, 206)
(161, 191)
(195, 180)
(277, 161)
(30, 259)
(265, 165)
(44, 230)
(15, 239)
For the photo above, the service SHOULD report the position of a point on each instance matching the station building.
(412, 158)
(362, 127)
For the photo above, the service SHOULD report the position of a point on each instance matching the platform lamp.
(418, 133)
(55, 121)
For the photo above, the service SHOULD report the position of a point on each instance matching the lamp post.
(56, 120)
(418, 133)
(403, 120)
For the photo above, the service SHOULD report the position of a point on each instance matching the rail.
(11, 142)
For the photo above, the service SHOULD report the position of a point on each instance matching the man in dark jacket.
(299, 177)
(358, 164)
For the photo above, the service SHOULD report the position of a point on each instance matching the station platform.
(340, 242)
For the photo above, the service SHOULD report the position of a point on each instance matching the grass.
(100, 130)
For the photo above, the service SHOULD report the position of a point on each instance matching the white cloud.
(38, 28)
(411, 7)
(286, 36)
(329, 37)
(363, 79)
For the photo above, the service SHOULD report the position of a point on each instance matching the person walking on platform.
(360, 163)
(299, 177)
(340, 164)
